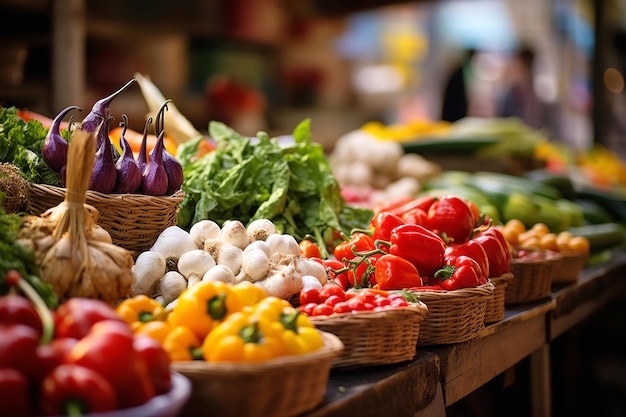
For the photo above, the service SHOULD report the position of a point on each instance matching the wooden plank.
(395, 390)
(467, 366)
(595, 287)
(436, 408)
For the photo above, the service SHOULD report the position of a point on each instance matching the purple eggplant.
(142, 157)
(172, 166)
(100, 111)
(54, 150)
(104, 174)
(154, 177)
(128, 178)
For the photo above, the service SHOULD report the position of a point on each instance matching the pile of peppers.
(80, 359)
(218, 322)
(429, 242)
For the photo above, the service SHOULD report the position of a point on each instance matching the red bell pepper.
(464, 272)
(381, 226)
(497, 249)
(471, 248)
(75, 390)
(416, 215)
(420, 246)
(396, 273)
(14, 393)
(19, 310)
(75, 317)
(109, 350)
(422, 202)
(18, 347)
(157, 362)
(53, 354)
(451, 218)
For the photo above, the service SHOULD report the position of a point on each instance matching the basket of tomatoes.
(376, 327)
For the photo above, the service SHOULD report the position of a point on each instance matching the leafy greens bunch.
(254, 178)
(21, 143)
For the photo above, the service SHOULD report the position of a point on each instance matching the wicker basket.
(570, 267)
(134, 221)
(283, 387)
(454, 316)
(494, 311)
(532, 279)
(12, 188)
(375, 337)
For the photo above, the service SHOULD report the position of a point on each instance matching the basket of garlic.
(74, 254)
(229, 253)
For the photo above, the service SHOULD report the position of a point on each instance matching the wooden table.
(440, 376)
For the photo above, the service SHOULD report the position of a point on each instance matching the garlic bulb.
(231, 256)
(172, 285)
(234, 233)
(150, 266)
(194, 264)
(172, 243)
(204, 230)
(282, 282)
(220, 273)
(309, 281)
(284, 244)
(256, 264)
(258, 244)
(305, 266)
(260, 229)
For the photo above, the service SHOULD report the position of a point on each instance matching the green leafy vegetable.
(15, 256)
(254, 178)
(21, 143)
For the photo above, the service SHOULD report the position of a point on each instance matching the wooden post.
(68, 53)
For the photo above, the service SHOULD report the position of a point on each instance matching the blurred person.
(456, 97)
(519, 98)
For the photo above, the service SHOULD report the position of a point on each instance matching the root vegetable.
(282, 281)
(283, 244)
(149, 268)
(234, 233)
(220, 273)
(204, 230)
(172, 285)
(194, 264)
(260, 229)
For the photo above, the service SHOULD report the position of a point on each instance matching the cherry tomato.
(309, 249)
(382, 301)
(334, 299)
(309, 295)
(331, 289)
(342, 307)
(308, 308)
(322, 310)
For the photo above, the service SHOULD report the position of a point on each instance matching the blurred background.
(268, 64)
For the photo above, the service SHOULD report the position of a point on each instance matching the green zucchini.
(601, 236)
(593, 213)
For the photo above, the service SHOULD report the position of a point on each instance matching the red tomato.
(309, 295)
(308, 308)
(382, 301)
(322, 310)
(342, 307)
(333, 299)
(331, 289)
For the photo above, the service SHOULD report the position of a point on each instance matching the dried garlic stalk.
(74, 254)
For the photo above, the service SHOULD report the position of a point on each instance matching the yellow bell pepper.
(157, 329)
(182, 344)
(140, 309)
(297, 333)
(248, 293)
(242, 337)
(203, 306)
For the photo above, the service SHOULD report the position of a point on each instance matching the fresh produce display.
(241, 324)
(229, 253)
(80, 359)
(247, 179)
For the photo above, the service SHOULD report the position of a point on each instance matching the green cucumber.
(601, 236)
(561, 182)
(520, 184)
(593, 213)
